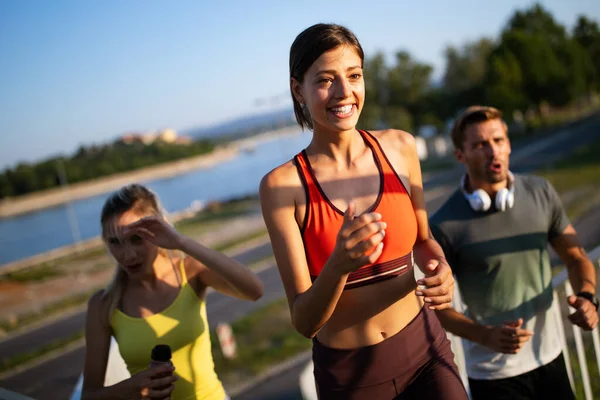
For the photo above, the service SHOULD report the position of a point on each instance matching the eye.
(136, 239)
(325, 80)
(355, 76)
(113, 241)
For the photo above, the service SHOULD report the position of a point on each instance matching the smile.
(343, 111)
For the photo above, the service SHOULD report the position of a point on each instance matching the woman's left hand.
(155, 230)
(439, 285)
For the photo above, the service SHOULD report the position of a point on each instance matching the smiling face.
(333, 90)
(134, 255)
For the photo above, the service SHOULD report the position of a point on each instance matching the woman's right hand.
(359, 241)
(144, 385)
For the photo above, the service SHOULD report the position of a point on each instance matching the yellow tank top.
(183, 325)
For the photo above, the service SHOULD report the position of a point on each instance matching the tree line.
(534, 65)
(94, 161)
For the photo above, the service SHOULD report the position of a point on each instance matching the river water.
(36, 232)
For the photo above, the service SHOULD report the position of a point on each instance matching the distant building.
(165, 135)
(130, 138)
(148, 138)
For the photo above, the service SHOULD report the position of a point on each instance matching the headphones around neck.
(479, 200)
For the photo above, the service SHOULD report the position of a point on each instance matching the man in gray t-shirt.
(495, 229)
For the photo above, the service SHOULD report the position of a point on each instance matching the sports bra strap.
(182, 274)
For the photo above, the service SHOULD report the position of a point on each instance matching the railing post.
(596, 347)
(585, 377)
(563, 338)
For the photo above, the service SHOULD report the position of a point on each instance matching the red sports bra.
(323, 221)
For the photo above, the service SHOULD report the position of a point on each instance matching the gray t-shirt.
(501, 265)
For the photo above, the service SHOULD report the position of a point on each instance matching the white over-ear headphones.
(479, 200)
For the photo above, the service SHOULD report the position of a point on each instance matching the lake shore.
(81, 190)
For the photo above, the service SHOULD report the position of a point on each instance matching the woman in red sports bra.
(347, 222)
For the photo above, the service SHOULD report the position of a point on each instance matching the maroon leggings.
(415, 363)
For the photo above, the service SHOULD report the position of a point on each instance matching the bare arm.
(507, 338)
(216, 269)
(463, 326)
(222, 272)
(311, 304)
(582, 276)
(97, 341)
(582, 273)
(428, 253)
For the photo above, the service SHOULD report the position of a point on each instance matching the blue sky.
(82, 72)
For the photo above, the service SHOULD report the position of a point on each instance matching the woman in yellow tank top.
(156, 299)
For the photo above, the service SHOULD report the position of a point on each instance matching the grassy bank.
(577, 178)
(264, 338)
(539, 126)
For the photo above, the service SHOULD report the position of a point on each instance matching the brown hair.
(132, 197)
(307, 47)
(473, 115)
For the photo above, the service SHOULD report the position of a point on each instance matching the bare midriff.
(368, 315)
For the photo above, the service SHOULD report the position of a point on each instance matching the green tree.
(23, 179)
(537, 21)
(465, 72)
(408, 81)
(587, 34)
(376, 94)
(504, 82)
(398, 117)
(555, 68)
(6, 188)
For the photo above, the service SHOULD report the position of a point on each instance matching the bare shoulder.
(97, 300)
(97, 308)
(397, 139)
(282, 175)
(192, 266)
(280, 184)
(193, 271)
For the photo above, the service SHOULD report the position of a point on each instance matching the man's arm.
(463, 326)
(582, 276)
(508, 338)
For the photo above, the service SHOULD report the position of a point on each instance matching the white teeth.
(342, 110)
